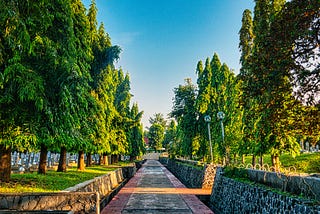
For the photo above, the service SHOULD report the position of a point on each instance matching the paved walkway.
(155, 190)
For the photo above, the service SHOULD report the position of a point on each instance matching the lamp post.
(220, 116)
(207, 119)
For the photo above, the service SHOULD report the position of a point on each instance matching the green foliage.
(156, 136)
(170, 136)
(303, 163)
(158, 119)
(136, 142)
(185, 114)
(300, 48)
(269, 62)
(234, 172)
(58, 84)
(219, 90)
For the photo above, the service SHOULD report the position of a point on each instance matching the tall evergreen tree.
(250, 104)
(170, 136)
(156, 131)
(135, 132)
(269, 84)
(185, 113)
(204, 97)
(79, 84)
(122, 120)
(21, 84)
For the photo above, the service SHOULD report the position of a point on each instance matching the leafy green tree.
(170, 136)
(185, 113)
(105, 81)
(122, 119)
(156, 136)
(136, 143)
(268, 83)
(80, 83)
(225, 93)
(219, 90)
(22, 86)
(156, 131)
(158, 118)
(203, 100)
(250, 104)
(69, 102)
(300, 48)
(104, 53)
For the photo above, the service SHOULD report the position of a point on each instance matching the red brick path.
(119, 202)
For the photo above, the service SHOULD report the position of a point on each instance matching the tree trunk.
(243, 159)
(89, 160)
(105, 160)
(253, 160)
(115, 158)
(62, 167)
(42, 168)
(261, 160)
(5, 163)
(112, 159)
(133, 158)
(275, 162)
(81, 161)
(101, 159)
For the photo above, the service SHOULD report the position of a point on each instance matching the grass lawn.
(303, 163)
(53, 181)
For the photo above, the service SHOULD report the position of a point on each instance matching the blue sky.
(162, 41)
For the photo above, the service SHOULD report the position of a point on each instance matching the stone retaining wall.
(188, 175)
(299, 185)
(78, 202)
(191, 176)
(230, 196)
(86, 197)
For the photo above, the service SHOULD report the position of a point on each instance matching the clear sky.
(162, 41)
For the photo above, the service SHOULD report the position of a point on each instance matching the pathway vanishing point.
(155, 190)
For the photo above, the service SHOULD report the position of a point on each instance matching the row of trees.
(272, 103)
(59, 88)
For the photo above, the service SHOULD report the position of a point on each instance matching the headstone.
(307, 147)
(14, 158)
(22, 158)
(68, 158)
(36, 159)
(317, 148)
(21, 169)
(28, 159)
(17, 159)
(97, 158)
(301, 145)
(49, 159)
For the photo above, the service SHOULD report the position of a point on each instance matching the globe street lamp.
(221, 116)
(207, 119)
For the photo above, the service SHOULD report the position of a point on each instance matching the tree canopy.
(59, 88)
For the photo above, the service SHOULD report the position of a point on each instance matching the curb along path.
(155, 190)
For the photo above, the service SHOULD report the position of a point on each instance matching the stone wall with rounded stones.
(86, 197)
(231, 196)
(192, 177)
(188, 175)
(78, 202)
